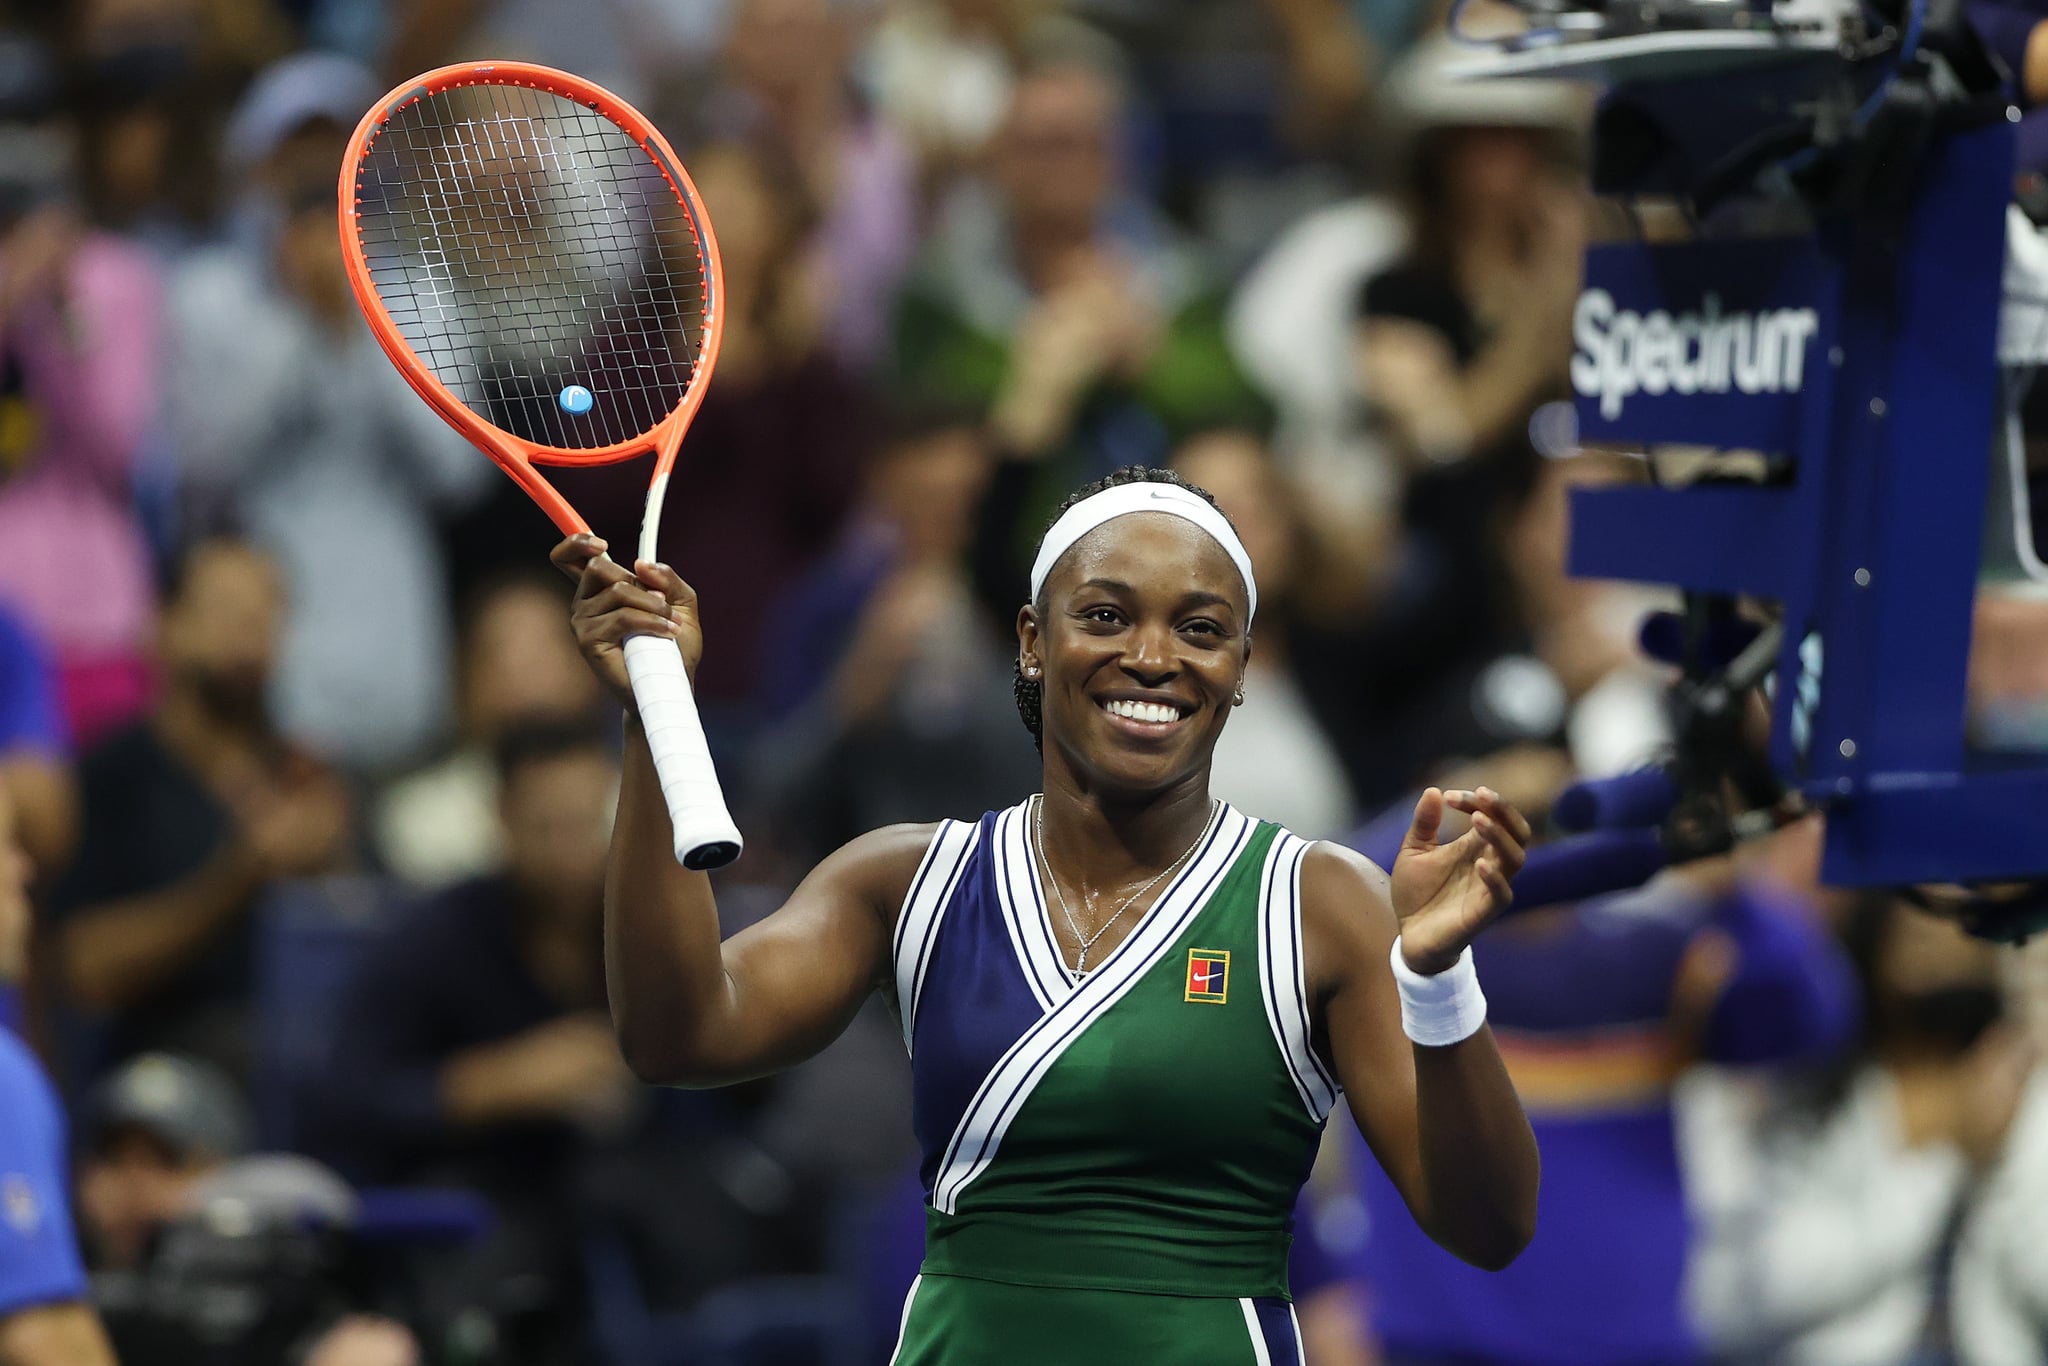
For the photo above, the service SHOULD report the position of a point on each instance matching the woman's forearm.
(1506, 381)
(1480, 1168)
(664, 969)
(112, 954)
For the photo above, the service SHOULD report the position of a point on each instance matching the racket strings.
(523, 243)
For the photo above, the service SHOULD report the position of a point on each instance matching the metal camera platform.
(1852, 342)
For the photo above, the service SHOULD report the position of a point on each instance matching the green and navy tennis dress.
(1110, 1161)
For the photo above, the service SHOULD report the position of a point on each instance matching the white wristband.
(1443, 1008)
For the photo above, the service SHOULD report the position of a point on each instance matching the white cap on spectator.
(188, 1104)
(1422, 92)
(275, 1188)
(291, 93)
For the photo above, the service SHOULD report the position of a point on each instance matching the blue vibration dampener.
(575, 400)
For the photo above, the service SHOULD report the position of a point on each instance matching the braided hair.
(1030, 692)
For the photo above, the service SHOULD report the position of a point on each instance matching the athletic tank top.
(1145, 1127)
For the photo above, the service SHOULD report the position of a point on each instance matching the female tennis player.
(1129, 1007)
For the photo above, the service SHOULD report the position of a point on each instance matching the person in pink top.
(78, 392)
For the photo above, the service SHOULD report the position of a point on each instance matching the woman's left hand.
(1446, 893)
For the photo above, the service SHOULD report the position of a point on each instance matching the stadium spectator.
(253, 1270)
(476, 1031)
(1827, 1201)
(318, 449)
(1543, 677)
(150, 90)
(890, 683)
(247, 1265)
(35, 761)
(941, 72)
(1292, 318)
(229, 39)
(1597, 1010)
(627, 48)
(473, 1048)
(517, 664)
(1998, 1289)
(1460, 341)
(1274, 756)
(165, 1141)
(44, 1317)
(1053, 298)
(1456, 346)
(188, 815)
(78, 391)
(1558, 687)
(1256, 109)
(152, 1130)
(787, 83)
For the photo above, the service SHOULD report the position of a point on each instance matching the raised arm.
(1444, 1122)
(689, 1009)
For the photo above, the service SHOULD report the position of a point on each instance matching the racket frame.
(703, 831)
(518, 457)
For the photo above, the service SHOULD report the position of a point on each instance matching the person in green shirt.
(1053, 301)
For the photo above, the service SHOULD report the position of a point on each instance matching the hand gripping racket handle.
(706, 837)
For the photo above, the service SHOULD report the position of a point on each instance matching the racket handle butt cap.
(705, 836)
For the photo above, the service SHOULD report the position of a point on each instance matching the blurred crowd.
(312, 790)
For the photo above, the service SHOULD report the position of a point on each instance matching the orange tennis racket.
(537, 264)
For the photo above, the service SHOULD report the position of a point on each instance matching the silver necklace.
(1038, 834)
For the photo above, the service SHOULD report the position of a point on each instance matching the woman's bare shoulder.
(881, 865)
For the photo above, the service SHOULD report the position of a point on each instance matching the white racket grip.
(705, 834)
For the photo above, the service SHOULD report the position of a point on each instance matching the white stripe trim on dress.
(1002, 1092)
(903, 1326)
(1271, 973)
(1281, 975)
(1260, 1356)
(1040, 917)
(1331, 1088)
(924, 905)
(1294, 1322)
(1016, 876)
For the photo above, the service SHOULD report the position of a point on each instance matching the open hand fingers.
(1503, 810)
(1495, 881)
(1429, 815)
(1501, 845)
(1492, 804)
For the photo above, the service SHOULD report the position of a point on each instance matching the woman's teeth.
(1154, 712)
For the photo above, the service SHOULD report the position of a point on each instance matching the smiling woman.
(1064, 968)
(1133, 490)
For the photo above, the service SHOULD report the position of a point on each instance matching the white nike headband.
(1090, 513)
